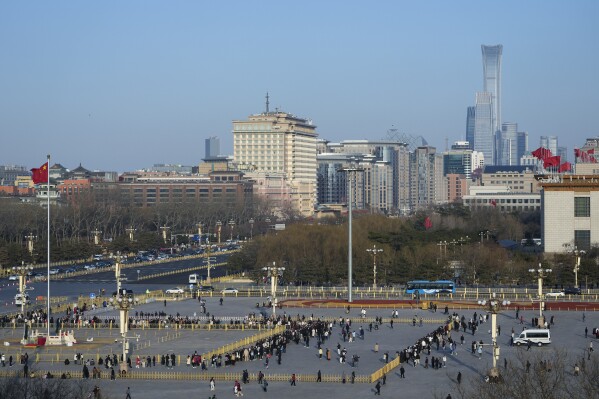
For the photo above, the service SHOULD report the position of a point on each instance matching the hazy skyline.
(125, 85)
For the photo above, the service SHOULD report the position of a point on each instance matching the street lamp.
(231, 226)
(96, 234)
(164, 229)
(274, 273)
(374, 251)
(199, 225)
(131, 230)
(30, 238)
(577, 255)
(22, 271)
(117, 271)
(540, 274)
(124, 303)
(207, 262)
(219, 226)
(493, 306)
(251, 221)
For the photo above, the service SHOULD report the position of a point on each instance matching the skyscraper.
(470, 119)
(507, 144)
(549, 142)
(492, 80)
(484, 135)
(212, 147)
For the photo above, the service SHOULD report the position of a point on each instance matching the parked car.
(14, 277)
(206, 288)
(555, 294)
(230, 291)
(174, 291)
(572, 291)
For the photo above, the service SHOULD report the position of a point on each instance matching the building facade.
(274, 143)
(570, 213)
(492, 81)
(484, 135)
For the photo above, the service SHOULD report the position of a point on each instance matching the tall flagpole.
(48, 249)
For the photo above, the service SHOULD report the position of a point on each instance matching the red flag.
(565, 167)
(591, 151)
(576, 153)
(428, 223)
(551, 161)
(40, 175)
(493, 203)
(542, 153)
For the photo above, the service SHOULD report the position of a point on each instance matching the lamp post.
(199, 225)
(207, 261)
(131, 230)
(374, 251)
(577, 255)
(30, 238)
(274, 273)
(540, 273)
(117, 271)
(219, 226)
(442, 249)
(164, 229)
(22, 272)
(124, 303)
(251, 221)
(96, 234)
(231, 226)
(493, 306)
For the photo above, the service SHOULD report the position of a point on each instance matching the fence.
(244, 342)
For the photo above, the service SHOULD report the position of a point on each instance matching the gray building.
(9, 174)
(492, 80)
(484, 134)
(212, 147)
(470, 123)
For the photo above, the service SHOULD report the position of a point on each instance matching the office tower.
(427, 183)
(470, 121)
(522, 145)
(492, 80)
(507, 144)
(549, 142)
(563, 153)
(461, 161)
(484, 135)
(283, 146)
(212, 149)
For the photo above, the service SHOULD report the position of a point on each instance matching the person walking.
(480, 352)
(402, 372)
(128, 396)
(459, 377)
(293, 379)
(319, 376)
(212, 385)
(377, 388)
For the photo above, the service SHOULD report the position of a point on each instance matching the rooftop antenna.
(267, 103)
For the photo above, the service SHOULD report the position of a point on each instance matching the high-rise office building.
(470, 123)
(506, 144)
(549, 142)
(522, 145)
(462, 161)
(484, 135)
(279, 144)
(492, 80)
(427, 183)
(212, 147)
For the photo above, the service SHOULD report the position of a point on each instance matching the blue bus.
(430, 287)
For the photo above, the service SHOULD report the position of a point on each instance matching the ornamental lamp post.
(577, 255)
(274, 273)
(96, 234)
(131, 230)
(22, 271)
(374, 251)
(30, 239)
(494, 306)
(219, 226)
(199, 225)
(164, 229)
(231, 226)
(124, 303)
(540, 273)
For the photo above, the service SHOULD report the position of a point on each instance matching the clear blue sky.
(119, 85)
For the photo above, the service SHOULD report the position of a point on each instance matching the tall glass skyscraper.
(470, 120)
(492, 80)
(484, 135)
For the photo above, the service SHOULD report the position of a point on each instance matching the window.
(582, 239)
(582, 207)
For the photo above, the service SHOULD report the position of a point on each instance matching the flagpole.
(48, 253)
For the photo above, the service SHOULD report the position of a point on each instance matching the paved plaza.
(567, 333)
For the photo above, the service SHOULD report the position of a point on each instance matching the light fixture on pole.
(164, 229)
(131, 230)
(493, 306)
(577, 255)
(124, 303)
(540, 273)
(351, 175)
(209, 259)
(219, 226)
(374, 251)
(231, 226)
(30, 239)
(96, 234)
(199, 225)
(274, 273)
(23, 271)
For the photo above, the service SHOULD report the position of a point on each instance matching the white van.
(19, 301)
(536, 336)
(194, 278)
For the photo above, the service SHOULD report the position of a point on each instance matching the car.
(206, 288)
(572, 291)
(174, 291)
(14, 277)
(555, 294)
(230, 291)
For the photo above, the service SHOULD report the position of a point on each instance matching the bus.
(430, 287)
(194, 278)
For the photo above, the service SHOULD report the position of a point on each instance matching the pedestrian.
(212, 385)
(528, 345)
(402, 372)
(448, 396)
(480, 351)
(319, 376)
(384, 379)
(128, 396)
(377, 387)
(459, 377)
(165, 303)
(527, 366)
(293, 379)
(265, 385)
(586, 332)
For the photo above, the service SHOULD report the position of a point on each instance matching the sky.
(122, 85)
